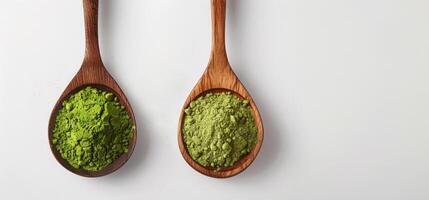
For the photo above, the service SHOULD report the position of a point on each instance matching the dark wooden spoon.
(219, 77)
(92, 73)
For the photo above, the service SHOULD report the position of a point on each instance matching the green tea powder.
(92, 129)
(219, 129)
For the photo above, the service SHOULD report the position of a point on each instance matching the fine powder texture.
(92, 129)
(219, 129)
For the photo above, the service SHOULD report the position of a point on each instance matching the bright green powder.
(92, 129)
(219, 129)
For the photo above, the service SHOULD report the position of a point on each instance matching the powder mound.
(92, 129)
(219, 129)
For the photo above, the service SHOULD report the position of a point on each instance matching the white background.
(342, 86)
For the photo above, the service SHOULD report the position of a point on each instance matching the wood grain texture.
(219, 77)
(92, 73)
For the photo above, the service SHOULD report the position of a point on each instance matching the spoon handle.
(218, 32)
(92, 50)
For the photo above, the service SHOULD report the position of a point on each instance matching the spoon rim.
(117, 163)
(245, 161)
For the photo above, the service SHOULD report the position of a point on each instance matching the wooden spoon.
(92, 73)
(219, 77)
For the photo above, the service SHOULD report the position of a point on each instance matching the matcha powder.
(92, 129)
(219, 129)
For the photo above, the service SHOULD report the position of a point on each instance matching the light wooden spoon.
(92, 73)
(219, 77)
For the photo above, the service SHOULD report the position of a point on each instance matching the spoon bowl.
(219, 77)
(92, 73)
(240, 165)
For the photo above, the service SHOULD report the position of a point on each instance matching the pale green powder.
(219, 129)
